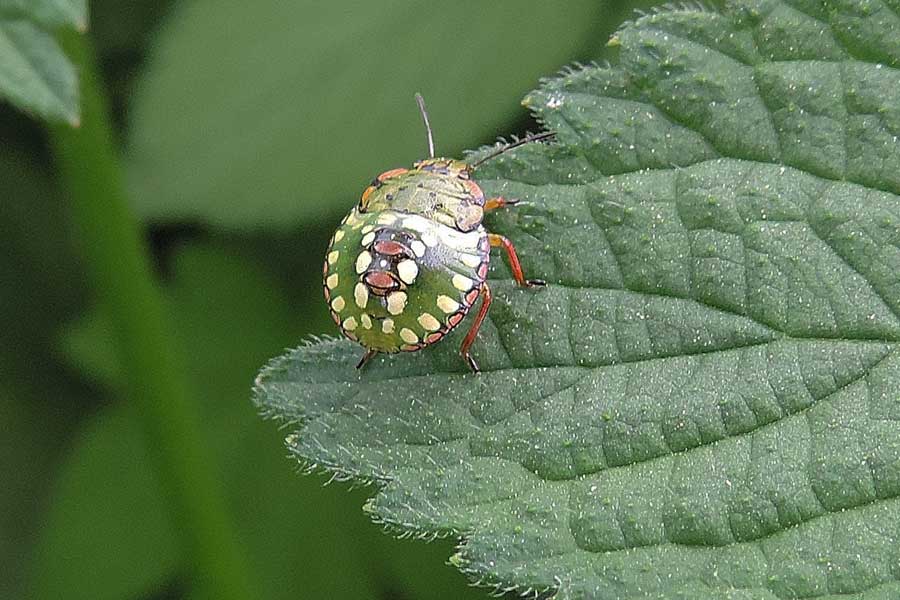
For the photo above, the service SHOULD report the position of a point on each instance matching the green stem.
(116, 258)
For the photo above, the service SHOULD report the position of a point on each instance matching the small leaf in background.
(327, 75)
(35, 74)
(107, 534)
(50, 13)
(705, 401)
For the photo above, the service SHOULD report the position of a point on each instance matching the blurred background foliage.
(246, 129)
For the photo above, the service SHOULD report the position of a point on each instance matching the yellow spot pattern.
(361, 295)
(408, 270)
(447, 304)
(428, 322)
(462, 283)
(363, 261)
(396, 302)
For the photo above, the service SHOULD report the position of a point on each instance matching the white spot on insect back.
(363, 261)
(367, 239)
(470, 260)
(408, 270)
(332, 281)
(408, 336)
(447, 304)
(458, 240)
(349, 323)
(338, 235)
(422, 226)
(338, 304)
(366, 321)
(429, 239)
(396, 302)
(333, 257)
(418, 248)
(361, 295)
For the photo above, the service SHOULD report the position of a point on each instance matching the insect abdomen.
(397, 282)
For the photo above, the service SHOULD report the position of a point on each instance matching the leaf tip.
(369, 506)
(457, 560)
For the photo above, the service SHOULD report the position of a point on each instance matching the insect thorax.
(438, 189)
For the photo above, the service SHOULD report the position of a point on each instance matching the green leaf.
(35, 74)
(50, 13)
(270, 113)
(705, 400)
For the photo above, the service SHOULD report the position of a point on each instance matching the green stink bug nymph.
(411, 259)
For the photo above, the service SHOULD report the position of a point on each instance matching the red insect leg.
(499, 240)
(476, 325)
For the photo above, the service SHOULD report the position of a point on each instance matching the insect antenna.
(421, 102)
(507, 147)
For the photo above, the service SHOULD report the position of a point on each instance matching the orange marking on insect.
(410, 347)
(327, 294)
(336, 318)
(476, 192)
(455, 319)
(392, 173)
(433, 337)
(472, 296)
(366, 194)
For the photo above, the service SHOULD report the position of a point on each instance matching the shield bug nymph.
(410, 260)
